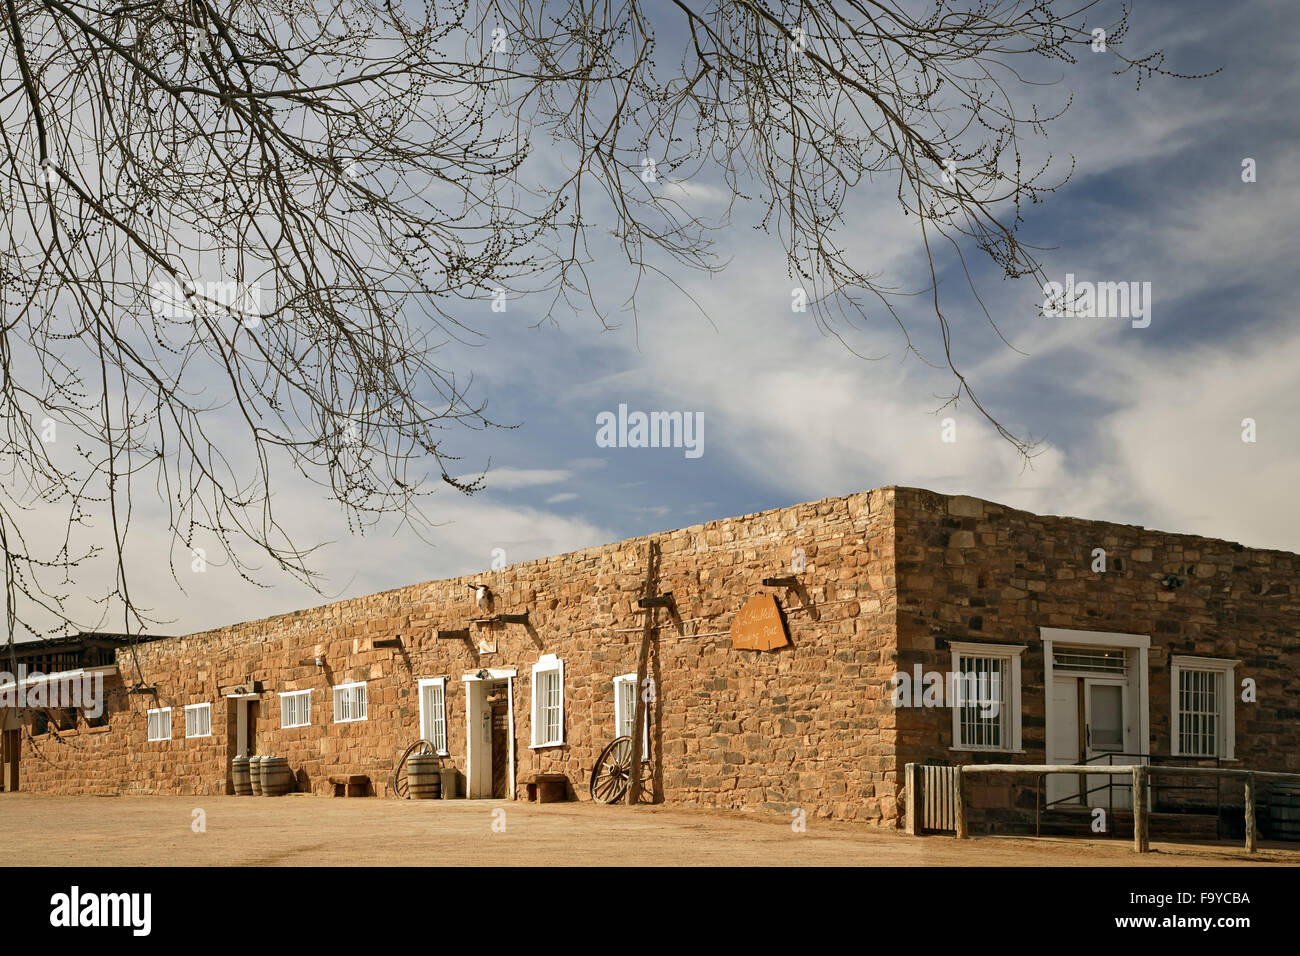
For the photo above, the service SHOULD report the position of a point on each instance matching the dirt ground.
(301, 829)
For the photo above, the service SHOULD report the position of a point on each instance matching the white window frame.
(546, 664)
(296, 695)
(1011, 653)
(359, 702)
(621, 718)
(149, 715)
(194, 709)
(429, 721)
(1226, 745)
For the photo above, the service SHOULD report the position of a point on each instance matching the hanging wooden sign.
(759, 626)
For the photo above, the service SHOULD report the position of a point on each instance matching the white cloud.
(510, 479)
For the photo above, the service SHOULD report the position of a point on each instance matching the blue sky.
(1140, 425)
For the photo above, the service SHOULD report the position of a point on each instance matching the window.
(349, 702)
(984, 693)
(1203, 693)
(625, 696)
(198, 720)
(295, 708)
(160, 724)
(433, 712)
(548, 701)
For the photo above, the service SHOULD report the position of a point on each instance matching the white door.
(1063, 747)
(1105, 711)
(478, 742)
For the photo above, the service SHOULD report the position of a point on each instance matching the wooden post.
(912, 817)
(962, 832)
(1141, 844)
(642, 664)
(1250, 813)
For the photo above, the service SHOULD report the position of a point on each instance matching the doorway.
(1097, 705)
(490, 734)
(11, 747)
(1091, 717)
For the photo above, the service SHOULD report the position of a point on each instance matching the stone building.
(1071, 640)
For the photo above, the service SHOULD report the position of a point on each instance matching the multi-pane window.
(625, 696)
(984, 693)
(160, 723)
(981, 698)
(198, 720)
(1203, 723)
(349, 702)
(295, 708)
(548, 701)
(433, 712)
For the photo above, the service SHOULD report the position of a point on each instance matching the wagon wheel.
(612, 774)
(398, 779)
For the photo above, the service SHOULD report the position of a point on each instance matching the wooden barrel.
(424, 776)
(255, 776)
(242, 777)
(277, 779)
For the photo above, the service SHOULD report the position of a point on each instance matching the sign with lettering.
(758, 625)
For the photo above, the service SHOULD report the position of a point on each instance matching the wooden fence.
(1140, 773)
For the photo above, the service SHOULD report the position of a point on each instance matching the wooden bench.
(547, 788)
(350, 784)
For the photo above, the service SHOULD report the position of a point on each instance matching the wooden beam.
(389, 642)
(789, 581)
(461, 635)
(658, 600)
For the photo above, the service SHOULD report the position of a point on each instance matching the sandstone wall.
(808, 726)
(971, 570)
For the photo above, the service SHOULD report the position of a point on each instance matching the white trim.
(295, 693)
(1012, 727)
(494, 673)
(1140, 643)
(149, 729)
(621, 718)
(441, 684)
(196, 708)
(546, 664)
(1226, 745)
(360, 700)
